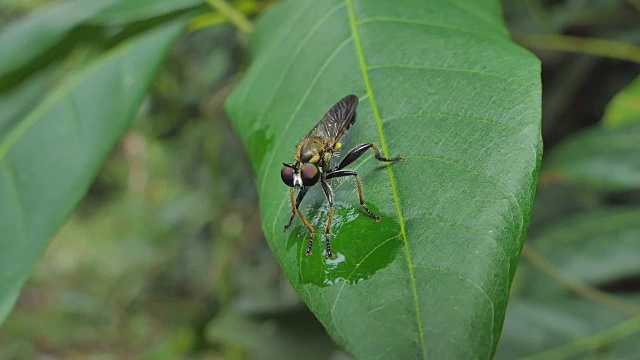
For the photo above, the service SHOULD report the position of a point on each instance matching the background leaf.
(123, 12)
(442, 84)
(274, 337)
(49, 159)
(624, 107)
(549, 329)
(596, 248)
(17, 103)
(23, 41)
(602, 158)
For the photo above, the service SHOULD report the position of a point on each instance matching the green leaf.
(441, 83)
(48, 160)
(23, 41)
(624, 108)
(127, 11)
(600, 158)
(565, 328)
(291, 335)
(17, 102)
(594, 248)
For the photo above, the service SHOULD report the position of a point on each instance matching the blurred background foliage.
(165, 257)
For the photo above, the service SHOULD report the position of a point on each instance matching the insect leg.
(341, 173)
(329, 194)
(295, 205)
(295, 208)
(311, 231)
(356, 152)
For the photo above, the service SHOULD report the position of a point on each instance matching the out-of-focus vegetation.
(167, 242)
(576, 290)
(165, 257)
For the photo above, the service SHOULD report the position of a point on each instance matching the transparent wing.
(337, 120)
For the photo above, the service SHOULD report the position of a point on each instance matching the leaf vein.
(466, 227)
(476, 15)
(293, 58)
(424, 23)
(257, 70)
(356, 268)
(365, 75)
(344, 283)
(439, 68)
(454, 116)
(470, 281)
(275, 220)
(510, 128)
(483, 174)
(301, 103)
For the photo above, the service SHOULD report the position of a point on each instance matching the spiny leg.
(356, 152)
(341, 173)
(329, 194)
(295, 205)
(293, 208)
(311, 231)
(296, 209)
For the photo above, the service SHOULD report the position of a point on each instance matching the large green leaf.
(17, 102)
(49, 158)
(441, 83)
(30, 37)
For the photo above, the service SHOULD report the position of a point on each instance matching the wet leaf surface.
(442, 84)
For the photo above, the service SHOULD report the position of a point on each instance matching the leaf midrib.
(365, 74)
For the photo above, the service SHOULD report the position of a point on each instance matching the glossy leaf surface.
(441, 83)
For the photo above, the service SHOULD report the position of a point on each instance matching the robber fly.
(313, 163)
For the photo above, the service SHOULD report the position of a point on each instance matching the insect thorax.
(312, 150)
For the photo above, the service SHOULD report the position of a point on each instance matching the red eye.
(310, 174)
(287, 175)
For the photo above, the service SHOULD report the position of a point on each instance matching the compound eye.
(287, 175)
(310, 174)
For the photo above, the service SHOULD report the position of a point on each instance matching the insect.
(313, 163)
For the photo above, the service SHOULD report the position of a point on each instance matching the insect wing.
(337, 120)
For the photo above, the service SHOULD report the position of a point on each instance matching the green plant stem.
(591, 342)
(236, 17)
(595, 295)
(598, 47)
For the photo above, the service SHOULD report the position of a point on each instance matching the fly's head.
(300, 174)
